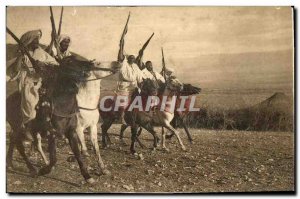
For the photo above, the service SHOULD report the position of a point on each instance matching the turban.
(170, 70)
(63, 37)
(29, 36)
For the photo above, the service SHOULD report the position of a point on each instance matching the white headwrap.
(29, 36)
(170, 70)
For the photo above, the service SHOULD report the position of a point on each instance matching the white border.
(3, 4)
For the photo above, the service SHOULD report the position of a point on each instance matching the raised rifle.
(60, 21)
(54, 34)
(147, 42)
(141, 52)
(121, 54)
(163, 64)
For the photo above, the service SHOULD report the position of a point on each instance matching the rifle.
(147, 42)
(141, 52)
(120, 54)
(53, 34)
(163, 64)
(60, 21)
(22, 47)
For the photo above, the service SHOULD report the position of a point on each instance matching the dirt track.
(218, 161)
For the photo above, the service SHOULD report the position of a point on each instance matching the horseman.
(150, 73)
(64, 42)
(130, 79)
(29, 81)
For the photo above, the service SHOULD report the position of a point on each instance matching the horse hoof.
(191, 142)
(91, 181)
(44, 171)
(71, 159)
(123, 143)
(133, 152)
(141, 157)
(47, 163)
(165, 149)
(168, 137)
(183, 148)
(33, 173)
(106, 172)
(85, 153)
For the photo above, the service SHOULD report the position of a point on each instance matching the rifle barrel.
(126, 25)
(52, 20)
(147, 42)
(163, 63)
(60, 21)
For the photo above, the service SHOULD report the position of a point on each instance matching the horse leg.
(187, 132)
(105, 126)
(21, 149)
(10, 151)
(108, 139)
(174, 124)
(138, 139)
(94, 139)
(169, 127)
(150, 129)
(133, 138)
(40, 149)
(163, 139)
(80, 133)
(123, 128)
(52, 155)
(73, 141)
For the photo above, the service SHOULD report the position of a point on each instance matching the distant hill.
(278, 102)
(274, 113)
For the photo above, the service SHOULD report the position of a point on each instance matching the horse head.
(149, 87)
(44, 113)
(77, 67)
(174, 85)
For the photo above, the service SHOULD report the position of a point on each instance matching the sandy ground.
(218, 161)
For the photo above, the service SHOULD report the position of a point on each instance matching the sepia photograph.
(150, 99)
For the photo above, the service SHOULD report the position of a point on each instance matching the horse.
(88, 98)
(180, 116)
(40, 127)
(146, 120)
(63, 88)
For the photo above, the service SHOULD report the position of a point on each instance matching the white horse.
(88, 101)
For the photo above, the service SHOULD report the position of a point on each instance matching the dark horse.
(63, 89)
(145, 119)
(179, 117)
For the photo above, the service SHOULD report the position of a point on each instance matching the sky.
(195, 39)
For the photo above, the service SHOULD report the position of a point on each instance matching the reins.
(98, 78)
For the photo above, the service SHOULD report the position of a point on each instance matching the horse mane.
(189, 89)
